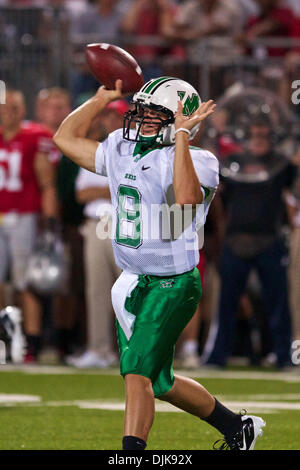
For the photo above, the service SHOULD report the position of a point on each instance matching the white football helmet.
(47, 269)
(161, 94)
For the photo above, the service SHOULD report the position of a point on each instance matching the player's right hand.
(111, 95)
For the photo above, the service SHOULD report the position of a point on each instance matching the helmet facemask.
(161, 94)
(137, 117)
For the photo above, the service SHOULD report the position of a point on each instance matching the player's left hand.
(188, 122)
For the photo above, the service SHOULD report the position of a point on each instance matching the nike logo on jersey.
(145, 167)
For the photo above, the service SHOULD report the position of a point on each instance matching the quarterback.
(150, 162)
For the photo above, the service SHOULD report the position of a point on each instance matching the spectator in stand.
(294, 6)
(293, 203)
(196, 24)
(293, 58)
(148, 18)
(27, 189)
(274, 20)
(52, 106)
(252, 241)
(74, 5)
(291, 68)
(101, 20)
(199, 19)
(101, 270)
(248, 9)
(279, 77)
(194, 335)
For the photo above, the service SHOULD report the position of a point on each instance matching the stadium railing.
(38, 51)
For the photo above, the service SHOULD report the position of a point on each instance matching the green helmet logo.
(191, 103)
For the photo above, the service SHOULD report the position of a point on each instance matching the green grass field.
(83, 410)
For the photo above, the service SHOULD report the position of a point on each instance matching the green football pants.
(162, 307)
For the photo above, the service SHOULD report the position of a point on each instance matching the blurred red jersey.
(46, 143)
(19, 188)
(284, 18)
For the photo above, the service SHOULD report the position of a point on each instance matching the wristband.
(183, 129)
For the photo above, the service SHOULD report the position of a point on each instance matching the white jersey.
(149, 237)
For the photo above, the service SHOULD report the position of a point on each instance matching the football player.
(150, 164)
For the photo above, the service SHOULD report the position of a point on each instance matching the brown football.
(108, 63)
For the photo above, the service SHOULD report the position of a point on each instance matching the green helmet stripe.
(145, 86)
(162, 83)
(154, 83)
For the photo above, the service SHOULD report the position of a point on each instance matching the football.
(108, 63)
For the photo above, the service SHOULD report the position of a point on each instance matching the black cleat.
(244, 439)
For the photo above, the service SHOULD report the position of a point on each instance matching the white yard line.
(251, 406)
(14, 398)
(289, 376)
(11, 400)
(261, 396)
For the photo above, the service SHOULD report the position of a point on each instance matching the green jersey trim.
(207, 191)
(193, 147)
(143, 149)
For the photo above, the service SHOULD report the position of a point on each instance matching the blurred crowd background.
(245, 54)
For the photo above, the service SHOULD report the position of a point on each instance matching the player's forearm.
(91, 194)
(79, 121)
(187, 188)
(71, 135)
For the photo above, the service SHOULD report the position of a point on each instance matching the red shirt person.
(147, 18)
(26, 190)
(274, 20)
(20, 167)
